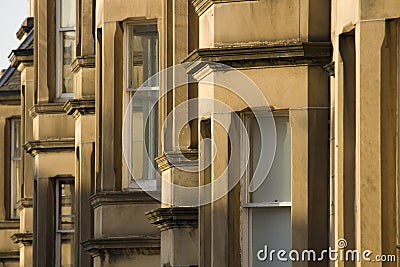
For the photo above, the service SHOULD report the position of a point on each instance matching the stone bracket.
(174, 217)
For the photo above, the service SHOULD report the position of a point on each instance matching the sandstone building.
(108, 163)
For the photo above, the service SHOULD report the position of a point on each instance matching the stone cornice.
(14, 224)
(330, 69)
(171, 159)
(277, 54)
(117, 198)
(10, 98)
(47, 108)
(24, 56)
(49, 146)
(24, 203)
(26, 27)
(83, 62)
(201, 6)
(78, 107)
(130, 245)
(175, 217)
(9, 255)
(25, 239)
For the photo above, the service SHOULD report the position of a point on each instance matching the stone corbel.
(175, 217)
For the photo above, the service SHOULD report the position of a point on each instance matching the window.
(66, 10)
(142, 55)
(15, 165)
(268, 208)
(65, 216)
(142, 64)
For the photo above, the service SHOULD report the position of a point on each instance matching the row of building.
(104, 164)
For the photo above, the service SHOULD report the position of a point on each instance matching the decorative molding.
(24, 203)
(9, 255)
(47, 108)
(128, 246)
(26, 27)
(117, 198)
(79, 107)
(49, 146)
(171, 159)
(24, 56)
(10, 98)
(330, 69)
(14, 224)
(277, 54)
(174, 217)
(202, 6)
(25, 239)
(83, 62)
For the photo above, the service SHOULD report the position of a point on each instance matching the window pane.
(271, 227)
(143, 55)
(143, 129)
(67, 250)
(16, 146)
(66, 213)
(68, 54)
(277, 186)
(67, 13)
(15, 165)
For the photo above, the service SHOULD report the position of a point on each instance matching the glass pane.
(68, 54)
(143, 55)
(277, 186)
(66, 213)
(143, 129)
(67, 13)
(271, 227)
(16, 146)
(67, 245)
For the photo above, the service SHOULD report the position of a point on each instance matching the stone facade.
(81, 191)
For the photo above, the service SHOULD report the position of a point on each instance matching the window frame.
(60, 53)
(139, 183)
(59, 233)
(14, 168)
(246, 206)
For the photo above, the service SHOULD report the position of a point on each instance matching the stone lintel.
(49, 145)
(25, 239)
(129, 245)
(78, 107)
(261, 55)
(119, 197)
(174, 217)
(171, 159)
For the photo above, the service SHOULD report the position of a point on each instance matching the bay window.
(268, 209)
(66, 10)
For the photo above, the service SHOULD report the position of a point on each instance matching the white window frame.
(59, 233)
(247, 206)
(14, 162)
(137, 184)
(59, 53)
